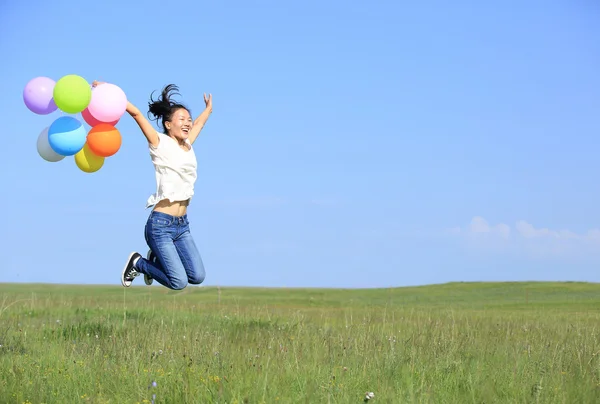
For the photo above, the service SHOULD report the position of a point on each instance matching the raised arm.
(146, 127)
(201, 120)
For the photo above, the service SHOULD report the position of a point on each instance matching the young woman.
(173, 259)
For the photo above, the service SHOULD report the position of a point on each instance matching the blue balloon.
(66, 136)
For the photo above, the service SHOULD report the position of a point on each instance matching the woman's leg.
(189, 254)
(150, 256)
(167, 268)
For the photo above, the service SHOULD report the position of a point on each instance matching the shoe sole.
(123, 282)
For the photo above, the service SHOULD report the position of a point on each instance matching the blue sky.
(365, 144)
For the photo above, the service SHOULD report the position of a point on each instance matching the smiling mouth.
(185, 130)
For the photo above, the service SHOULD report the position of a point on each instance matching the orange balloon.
(104, 140)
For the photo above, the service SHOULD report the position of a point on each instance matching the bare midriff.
(177, 208)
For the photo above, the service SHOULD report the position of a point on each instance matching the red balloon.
(87, 116)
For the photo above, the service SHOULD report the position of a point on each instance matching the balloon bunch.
(100, 108)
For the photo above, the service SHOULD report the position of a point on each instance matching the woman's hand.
(208, 101)
(201, 120)
(96, 83)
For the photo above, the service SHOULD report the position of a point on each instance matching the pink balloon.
(90, 120)
(108, 103)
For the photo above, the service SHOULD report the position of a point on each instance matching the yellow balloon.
(87, 161)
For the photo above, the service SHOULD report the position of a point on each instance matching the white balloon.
(44, 149)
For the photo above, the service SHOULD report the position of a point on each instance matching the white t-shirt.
(175, 170)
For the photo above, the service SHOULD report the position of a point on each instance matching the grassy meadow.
(450, 343)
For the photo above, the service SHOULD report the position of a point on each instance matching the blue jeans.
(177, 258)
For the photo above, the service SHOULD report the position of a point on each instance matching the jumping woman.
(173, 259)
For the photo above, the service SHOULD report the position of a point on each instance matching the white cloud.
(526, 237)
(480, 225)
(529, 231)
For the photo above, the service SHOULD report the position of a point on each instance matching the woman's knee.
(195, 270)
(177, 282)
(197, 277)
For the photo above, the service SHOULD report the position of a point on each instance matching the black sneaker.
(129, 272)
(152, 258)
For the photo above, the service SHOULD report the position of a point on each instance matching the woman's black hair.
(164, 107)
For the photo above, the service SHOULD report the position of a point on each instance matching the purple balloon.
(38, 95)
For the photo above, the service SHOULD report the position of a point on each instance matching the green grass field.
(451, 343)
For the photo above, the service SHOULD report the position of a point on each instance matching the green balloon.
(72, 94)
